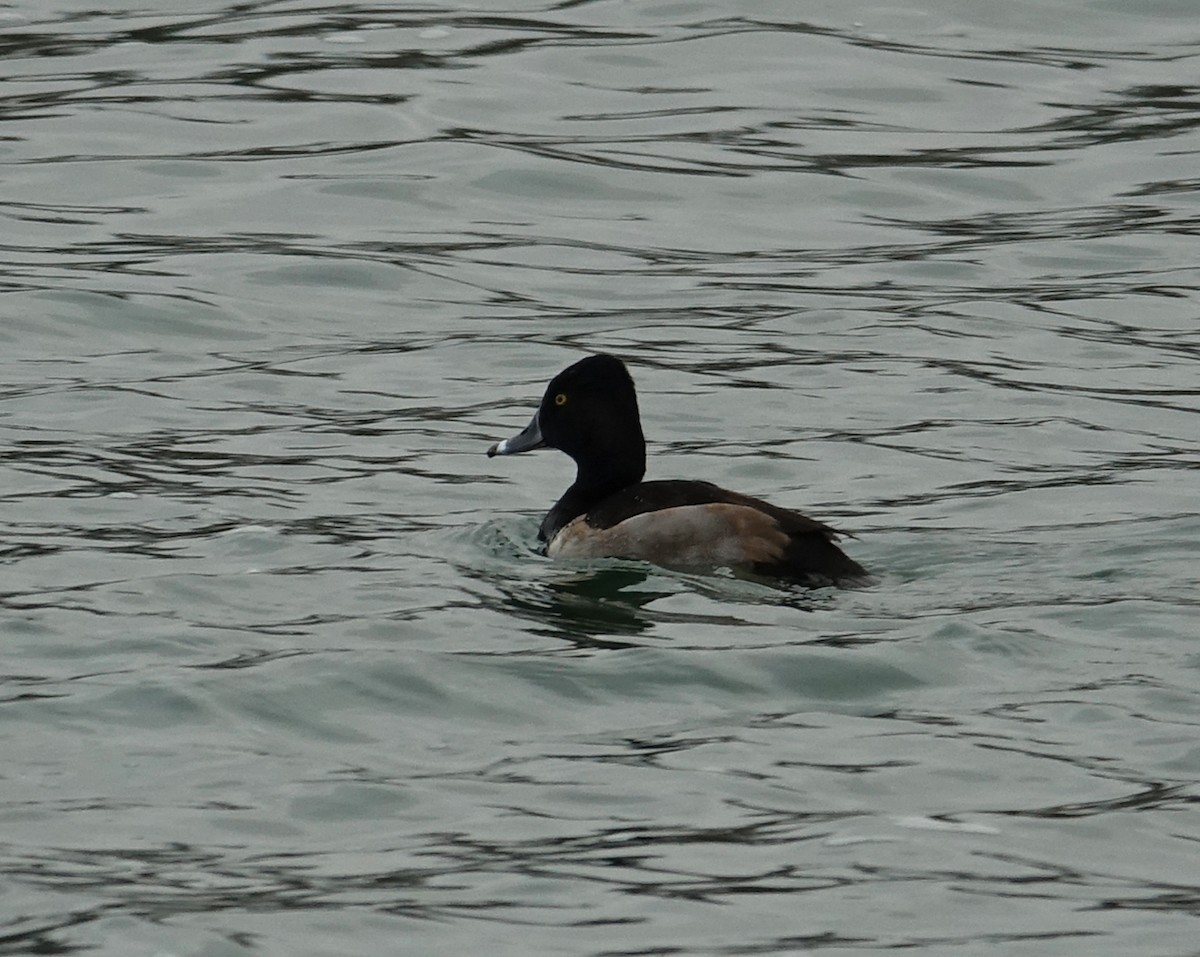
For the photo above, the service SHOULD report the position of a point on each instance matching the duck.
(590, 412)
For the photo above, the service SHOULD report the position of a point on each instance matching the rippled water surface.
(283, 673)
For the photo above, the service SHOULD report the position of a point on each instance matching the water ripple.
(284, 667)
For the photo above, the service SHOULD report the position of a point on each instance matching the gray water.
(283, 673)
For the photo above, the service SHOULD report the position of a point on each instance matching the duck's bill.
(528, 439)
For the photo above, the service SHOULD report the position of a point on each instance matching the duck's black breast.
(689, 523)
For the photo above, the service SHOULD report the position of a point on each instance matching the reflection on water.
(282, 668)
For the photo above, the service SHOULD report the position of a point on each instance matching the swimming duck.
(590, 412)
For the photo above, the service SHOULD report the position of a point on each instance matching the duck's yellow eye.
(560, 399)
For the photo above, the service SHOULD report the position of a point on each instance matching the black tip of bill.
(526, 440)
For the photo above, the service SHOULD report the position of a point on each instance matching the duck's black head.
(589, 411)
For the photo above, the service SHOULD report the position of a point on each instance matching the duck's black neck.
(592, 485)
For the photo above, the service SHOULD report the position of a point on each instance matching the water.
(282, 672)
